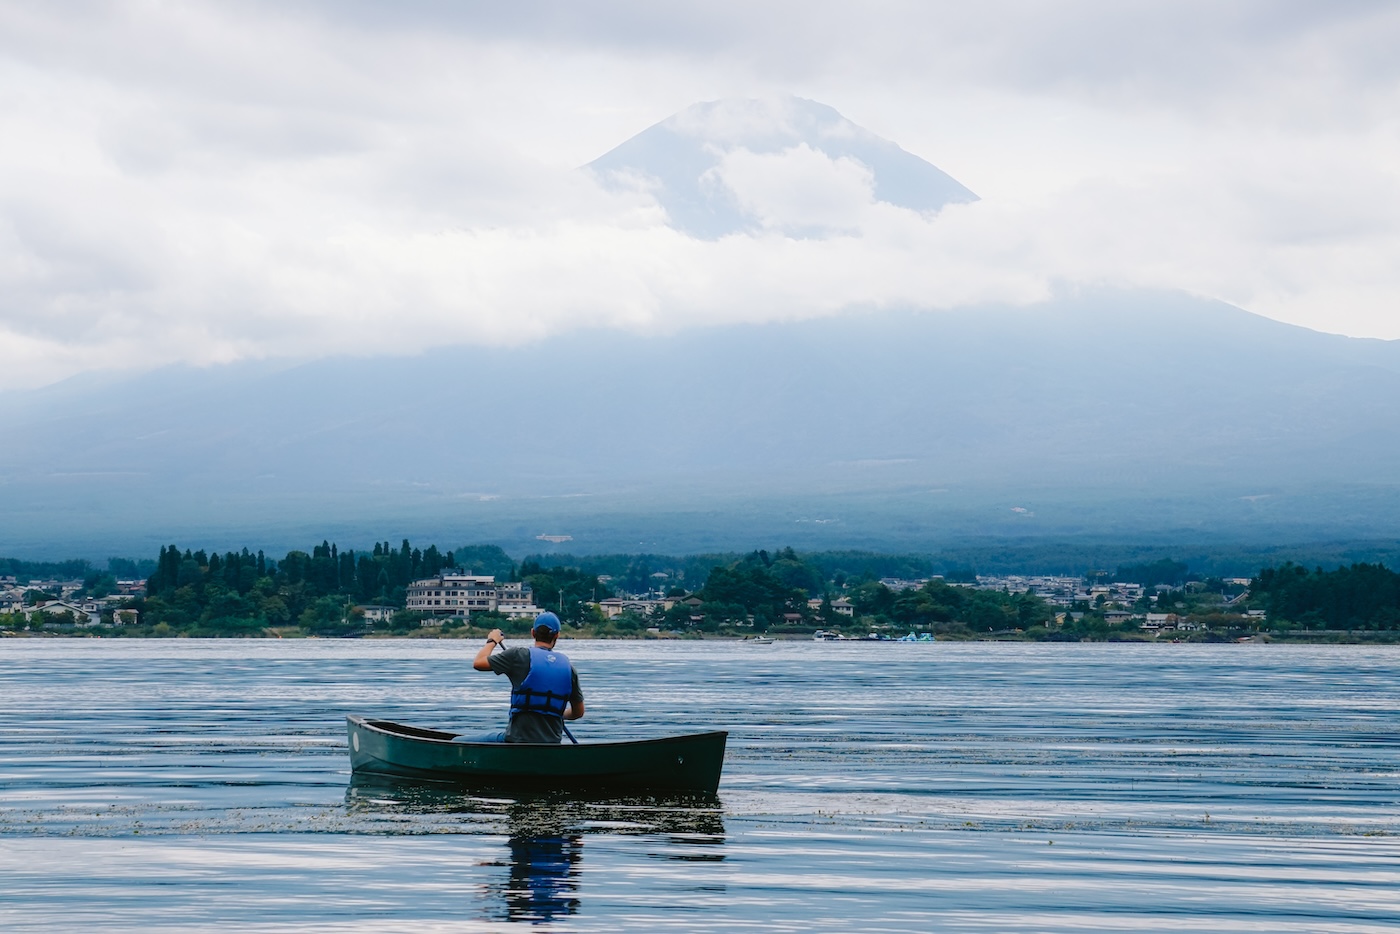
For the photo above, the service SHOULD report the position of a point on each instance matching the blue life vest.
(548, 686)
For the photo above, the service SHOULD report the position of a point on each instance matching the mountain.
(727, 166)
(1123, 414)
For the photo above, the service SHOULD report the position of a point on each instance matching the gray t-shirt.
(527, 726)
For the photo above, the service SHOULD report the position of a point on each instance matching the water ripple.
(184, 785)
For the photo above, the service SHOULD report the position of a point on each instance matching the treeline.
(73, 569)
(774, 592)
(765, 589)
(243, 592)
(941, 607)
(638, 574)
(378, 575)
(1358, 597)
(199, 592)
(568, 591)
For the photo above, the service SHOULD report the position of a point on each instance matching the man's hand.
(482, 662)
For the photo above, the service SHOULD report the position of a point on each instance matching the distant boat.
(758, 640)
(689, 763)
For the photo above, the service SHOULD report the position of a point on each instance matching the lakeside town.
(427, 594)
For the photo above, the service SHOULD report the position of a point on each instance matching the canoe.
(689, 763)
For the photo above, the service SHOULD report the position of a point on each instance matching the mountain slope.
(1123, 413)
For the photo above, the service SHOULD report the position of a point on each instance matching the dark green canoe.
(672, 763)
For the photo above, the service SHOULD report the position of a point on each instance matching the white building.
(1159, 621)
(517, 605)
(465, 594)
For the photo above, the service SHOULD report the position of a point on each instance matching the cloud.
(215, 181)
(798, 188)
(1182, 54)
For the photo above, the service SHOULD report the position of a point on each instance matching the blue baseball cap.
(548, 620)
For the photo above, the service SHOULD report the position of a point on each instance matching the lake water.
(186, 785)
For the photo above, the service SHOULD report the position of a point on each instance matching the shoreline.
(1321, 638)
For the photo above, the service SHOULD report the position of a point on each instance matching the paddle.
(571, 736)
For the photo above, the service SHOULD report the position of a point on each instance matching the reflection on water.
(543, 882)
(544, 834)
(185, 785)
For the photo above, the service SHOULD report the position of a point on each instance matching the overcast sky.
(187, 181)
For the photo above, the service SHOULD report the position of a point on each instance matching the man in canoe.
(544, 689)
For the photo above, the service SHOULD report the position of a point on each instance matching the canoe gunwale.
(423, 734)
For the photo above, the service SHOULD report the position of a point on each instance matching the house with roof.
(54, 608)
(614, 607)
(1154, 622)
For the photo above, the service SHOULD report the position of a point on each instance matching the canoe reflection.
(545, 834)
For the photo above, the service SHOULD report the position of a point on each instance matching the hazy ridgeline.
(1108, 419)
